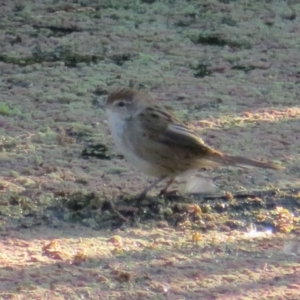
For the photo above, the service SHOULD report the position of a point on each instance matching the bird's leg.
(164, 190)
(153, 184)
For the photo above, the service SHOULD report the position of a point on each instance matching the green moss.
(116, 170)
(23, 8)
(67, 98)
(5, 110)
(47, 138)
(189, 10)
(14, 174)
(80, 130)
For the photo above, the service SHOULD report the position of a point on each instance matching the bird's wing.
(162, 127)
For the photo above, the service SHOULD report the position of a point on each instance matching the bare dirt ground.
(229, 68)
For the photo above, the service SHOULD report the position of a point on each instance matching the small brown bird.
(158, 144)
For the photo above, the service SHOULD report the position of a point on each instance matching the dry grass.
(150, 263)
(229, 68)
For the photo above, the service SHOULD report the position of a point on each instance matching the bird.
(158, 144)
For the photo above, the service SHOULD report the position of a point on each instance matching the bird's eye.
(121, 104)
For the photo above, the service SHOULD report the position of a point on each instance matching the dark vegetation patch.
(120, 58)
(60, 53)
(244, 68)
(215, 39)
(202, 70)
(96, 150)
(58, 31)
(274, 210)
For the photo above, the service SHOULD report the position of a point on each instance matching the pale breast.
(116, 126)
(125, 147)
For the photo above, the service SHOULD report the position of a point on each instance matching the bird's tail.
(225, 159)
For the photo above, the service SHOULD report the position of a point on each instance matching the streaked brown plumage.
(157, 143)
